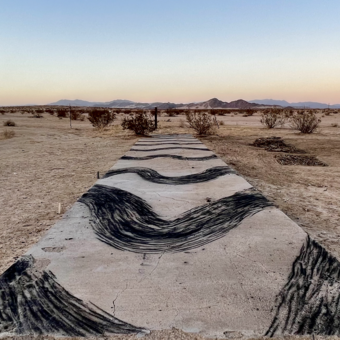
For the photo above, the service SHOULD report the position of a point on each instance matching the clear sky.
(169, 50)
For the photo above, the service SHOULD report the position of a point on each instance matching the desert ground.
(47, 163)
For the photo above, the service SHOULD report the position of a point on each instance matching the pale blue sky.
(179, 51)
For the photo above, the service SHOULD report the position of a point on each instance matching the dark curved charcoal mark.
(207, 158)
(33, 302)
(168, 140)
(174, 147)
(127, 222)
(309, 302)
(154, 177)
(174, 143)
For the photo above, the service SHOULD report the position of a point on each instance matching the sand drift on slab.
(127, 222)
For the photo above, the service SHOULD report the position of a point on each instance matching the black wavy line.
(309, 303)
(174, 147)
(127, 222)
(33, 302)
(153, 176)
(207, 158)
(156, 144)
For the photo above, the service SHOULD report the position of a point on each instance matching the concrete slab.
(168, 239)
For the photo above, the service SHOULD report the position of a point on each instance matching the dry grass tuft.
(9, 123)
(8, 134)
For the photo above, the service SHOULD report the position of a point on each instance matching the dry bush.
(170, 112)
(334, 125)
(140, 122)
(272, 118)
(288, 113)
(100, 118)
(305, 121)
(2, 112)
(40, 110)
(76, 115)
(8, 134)
(201, 122)
(36, 114)
(221, 122)
(248, 112)
(9, 123)
(61, 113)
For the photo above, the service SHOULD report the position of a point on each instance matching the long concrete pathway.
(172, 237)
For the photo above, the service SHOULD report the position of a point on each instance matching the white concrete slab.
(228, 283)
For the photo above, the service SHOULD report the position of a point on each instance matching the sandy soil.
(47, 163)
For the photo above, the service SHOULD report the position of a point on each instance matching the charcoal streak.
(166, 143)
(127, 222)
(153, 176)
(309, 302)
(174, 147)
(207, 158)
(33, 302)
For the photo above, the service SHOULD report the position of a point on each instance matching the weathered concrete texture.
(229, 284)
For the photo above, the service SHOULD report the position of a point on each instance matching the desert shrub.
(61, 113)
(9, 123)
(305, 121)
(100, 118)
(221, 122)
(273, 118)
(2, 112)
(140, 122)
(334, 125)
(36, 114)
(76, 115)
(327, 113)
(170, 112)
(288, 113)
(8, 134)
(40, 110)
(201, 122)
(248, 112)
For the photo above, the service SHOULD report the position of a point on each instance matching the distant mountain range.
(119, 103)
(312, 105)
(213, 103)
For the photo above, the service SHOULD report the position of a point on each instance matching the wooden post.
(70, 118)
(156, 117)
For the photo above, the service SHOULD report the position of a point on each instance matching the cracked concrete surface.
(228, 285)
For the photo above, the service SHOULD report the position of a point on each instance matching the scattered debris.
(299, 160)
(276, 144)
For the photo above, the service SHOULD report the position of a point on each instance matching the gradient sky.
(162, 50)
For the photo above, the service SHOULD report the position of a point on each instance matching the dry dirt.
(47, 163)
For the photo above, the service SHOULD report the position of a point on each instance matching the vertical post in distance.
(156, 117)
(70, 118)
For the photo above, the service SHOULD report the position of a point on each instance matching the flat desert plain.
(47, 163)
